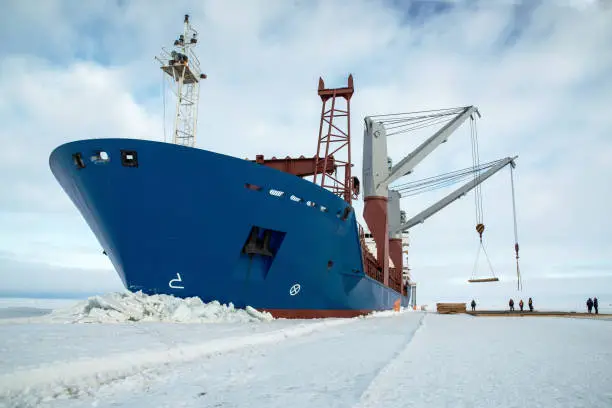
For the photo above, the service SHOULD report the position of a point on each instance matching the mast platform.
(176, 71)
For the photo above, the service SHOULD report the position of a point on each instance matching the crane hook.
(480, 229)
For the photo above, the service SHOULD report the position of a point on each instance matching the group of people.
(511, 303)
(521, 304)
(593, 303)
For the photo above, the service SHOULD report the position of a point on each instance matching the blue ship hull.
(178, 220)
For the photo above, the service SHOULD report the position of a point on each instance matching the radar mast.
(183, 71)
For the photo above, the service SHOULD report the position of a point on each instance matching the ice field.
(140, 351)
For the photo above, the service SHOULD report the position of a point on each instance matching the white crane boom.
(458, 193)
(408, 163)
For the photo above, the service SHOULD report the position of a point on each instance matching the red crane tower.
(336, 142)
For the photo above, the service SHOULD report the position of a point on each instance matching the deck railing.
(374, 271)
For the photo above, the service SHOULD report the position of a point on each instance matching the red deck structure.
(301, 167)
(333, 163)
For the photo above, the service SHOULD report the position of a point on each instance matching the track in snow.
(389, 375)
(84, 375)
(321, 364)
(464, 361)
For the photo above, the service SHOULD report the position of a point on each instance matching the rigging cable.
(447, 110)
(481, 246)
(409, 121)
(415, 125)
(519, 283)
(441, 180)
(478, 197)
(477, 189)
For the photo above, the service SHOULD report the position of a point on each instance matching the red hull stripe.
(316, 314)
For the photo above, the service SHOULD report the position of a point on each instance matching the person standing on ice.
(589, 305)
(473, 305)
(521, 304)
(530, 303)
(596, 305)
(511, 303)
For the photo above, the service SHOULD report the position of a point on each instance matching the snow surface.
(465, 361)
(148, 357)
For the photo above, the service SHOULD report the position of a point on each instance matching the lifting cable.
(478, 199)
(519, 283)
(477, 188)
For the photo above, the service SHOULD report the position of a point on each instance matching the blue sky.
(538, 71)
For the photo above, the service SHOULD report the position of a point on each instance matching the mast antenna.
(183, 71)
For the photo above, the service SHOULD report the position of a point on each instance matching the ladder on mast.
(183, 70)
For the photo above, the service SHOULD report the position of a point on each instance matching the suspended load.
(480, 230)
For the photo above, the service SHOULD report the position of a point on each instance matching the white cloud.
(47, 105)
(544, 96)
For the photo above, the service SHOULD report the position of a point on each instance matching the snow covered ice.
(156, 351)
(123, 307)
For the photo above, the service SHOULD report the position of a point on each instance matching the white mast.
(183, 69)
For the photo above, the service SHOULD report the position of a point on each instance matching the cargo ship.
(180, 220)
